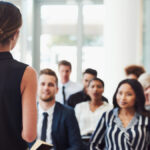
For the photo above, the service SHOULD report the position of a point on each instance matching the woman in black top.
(18, 86)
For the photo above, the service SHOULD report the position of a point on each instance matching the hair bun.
(1, 31)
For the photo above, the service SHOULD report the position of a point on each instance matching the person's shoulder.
(75, 85)
(64, 108)
(109, 106)
(110, 112)
(18, 65)
(143, 117)
(19, 62)
(104, 99)
(30, 73)
(76, 94)
(82, 105)
(30, 69)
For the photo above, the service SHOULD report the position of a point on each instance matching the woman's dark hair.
(10, 21)
(96, 79)
(134, 69)
(140, 98)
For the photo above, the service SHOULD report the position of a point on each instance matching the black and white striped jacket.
(111, 135)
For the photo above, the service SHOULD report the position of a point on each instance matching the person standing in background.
(65, 85)
(18, 86)
(134, 71)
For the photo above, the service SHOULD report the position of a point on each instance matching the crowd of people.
(68, 115)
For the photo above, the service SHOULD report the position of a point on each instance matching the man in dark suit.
(82, 95)
(57, 123)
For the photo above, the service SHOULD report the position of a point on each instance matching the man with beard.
(57, 123)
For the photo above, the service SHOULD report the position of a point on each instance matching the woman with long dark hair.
(127, 126)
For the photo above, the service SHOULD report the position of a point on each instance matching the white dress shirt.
(50, 112)
(70, 88)
(87, 119)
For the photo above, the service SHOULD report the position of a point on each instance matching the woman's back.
(11, 103)
(18, 86)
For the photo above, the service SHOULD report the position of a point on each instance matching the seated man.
(57, 123)
(82, 95)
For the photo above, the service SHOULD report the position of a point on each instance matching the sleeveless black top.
(11, 73)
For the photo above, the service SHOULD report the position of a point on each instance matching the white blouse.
(87, 119)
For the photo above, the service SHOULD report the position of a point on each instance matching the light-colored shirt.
(87, 119)
(50, 112)
(70, 88)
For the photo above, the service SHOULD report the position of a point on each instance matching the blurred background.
(106, 35)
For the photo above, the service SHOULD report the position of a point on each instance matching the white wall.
(122, 40)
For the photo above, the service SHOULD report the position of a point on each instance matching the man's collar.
(49, 111)
(65, 84)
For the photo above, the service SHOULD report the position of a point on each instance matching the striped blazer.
(111, 135)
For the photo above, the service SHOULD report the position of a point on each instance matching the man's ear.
(57, 90)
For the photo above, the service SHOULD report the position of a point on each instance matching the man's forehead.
(65, 67)
(45, 77)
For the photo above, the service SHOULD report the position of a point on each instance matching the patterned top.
(111, 135)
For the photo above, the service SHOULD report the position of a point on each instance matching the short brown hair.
(134, 69)
(10, 21)
(49, 72)
(64, 63)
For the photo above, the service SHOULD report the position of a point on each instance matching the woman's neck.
(126, 115)
(94, 104)
(127, 112)
(5, 48)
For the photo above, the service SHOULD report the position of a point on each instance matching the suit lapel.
(56, 117)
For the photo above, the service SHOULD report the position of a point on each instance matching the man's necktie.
(64, 96)
(44, 126)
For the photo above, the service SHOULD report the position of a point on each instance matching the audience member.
(134, 71)
(127, 126)
(82, 95)
(144, 79)
(66, 87)
(61, 127)
(88, 113)
(18, 85)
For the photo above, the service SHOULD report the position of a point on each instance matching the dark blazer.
(65, 129)
(79, 97)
